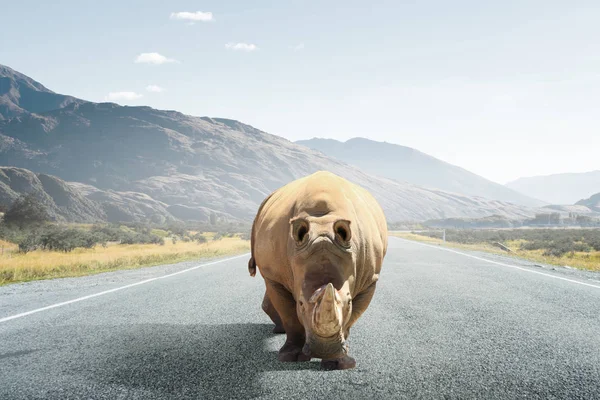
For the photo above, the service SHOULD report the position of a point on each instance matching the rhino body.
(319, 244)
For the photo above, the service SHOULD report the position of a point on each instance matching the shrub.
(29, 243)
(110, 233)
(27, 210)
(553, 242)
(159, 232)
(555, 252)
(60, 238)
(199, 238)
(66, 240)
(595, 243)
(533, 245)
(143, 238)
(11, 233)
(245, 236)
(581, 247)
(177, 228)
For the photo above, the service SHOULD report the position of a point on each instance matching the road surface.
(441, 325)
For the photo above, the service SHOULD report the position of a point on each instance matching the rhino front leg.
(285, 305)
(269, 309)
(359, 306)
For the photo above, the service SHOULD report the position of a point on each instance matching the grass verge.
(40, 264)
(589, 261)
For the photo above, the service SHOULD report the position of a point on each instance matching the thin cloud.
(128, 96)
(153, 58)
(192, 16)
(241, 46)
(298, 47)
(154, 89)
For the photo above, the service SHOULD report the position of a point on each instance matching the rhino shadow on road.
(201, 360)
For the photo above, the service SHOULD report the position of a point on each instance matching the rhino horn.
(327, 314)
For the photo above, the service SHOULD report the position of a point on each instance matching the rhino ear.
(299, 228)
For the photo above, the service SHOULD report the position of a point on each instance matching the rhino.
(319, 244)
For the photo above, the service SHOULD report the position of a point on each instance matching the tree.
(26, 210)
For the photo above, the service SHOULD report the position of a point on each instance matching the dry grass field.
(587, 260)
(43, 264)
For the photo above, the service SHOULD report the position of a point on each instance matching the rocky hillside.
(406, 164)
(192, 167)
(62, 202)
(76, 202)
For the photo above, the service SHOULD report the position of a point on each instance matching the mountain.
(593, 202)
(197, 166)
(565, 209)
(76, 202)
(559, 188)
(199, 163)
(21, 95)
(405, 164)
(62, 202)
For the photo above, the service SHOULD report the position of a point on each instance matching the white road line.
(64, 303)
(499, 263)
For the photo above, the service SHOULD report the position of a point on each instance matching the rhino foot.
(345, 362)
(290, 352)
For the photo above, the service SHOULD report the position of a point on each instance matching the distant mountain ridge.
(560, 189)
(593, 202)
(406, 164)
(193, 167)
(21, 95)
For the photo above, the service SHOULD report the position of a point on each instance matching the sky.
(503, 89)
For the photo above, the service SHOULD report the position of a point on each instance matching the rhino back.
(311, 194)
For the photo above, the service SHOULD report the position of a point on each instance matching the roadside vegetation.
(540, 221)
(578, 248)
(33, 247)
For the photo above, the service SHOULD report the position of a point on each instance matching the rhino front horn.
(327, 314)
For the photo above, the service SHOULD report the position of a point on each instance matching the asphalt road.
(441, 325)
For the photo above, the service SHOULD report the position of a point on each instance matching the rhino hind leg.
(285, 306)
(270, 310)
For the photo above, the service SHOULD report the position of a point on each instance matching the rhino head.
(323, 271)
